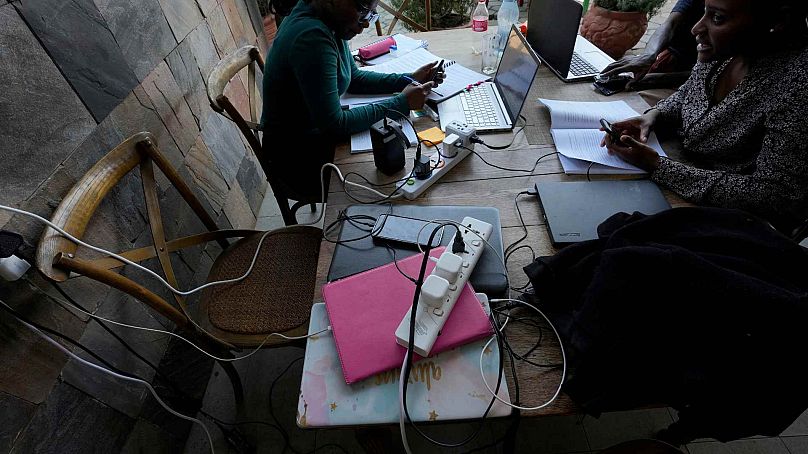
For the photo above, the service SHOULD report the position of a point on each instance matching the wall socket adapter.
(464, 131)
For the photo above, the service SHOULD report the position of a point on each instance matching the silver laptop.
(495, 106)
(553, 33)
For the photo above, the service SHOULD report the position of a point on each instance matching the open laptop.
(553, 34)
(574, 209)
(495, 106)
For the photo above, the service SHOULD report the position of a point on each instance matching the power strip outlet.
(464, 131)
(446, 283)
(452, 154)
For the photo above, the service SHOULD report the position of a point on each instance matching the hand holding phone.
(607, 127)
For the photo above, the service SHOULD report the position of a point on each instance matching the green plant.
(650, 7)
(445, 13)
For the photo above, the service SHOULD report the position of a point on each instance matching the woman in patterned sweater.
(741, 115)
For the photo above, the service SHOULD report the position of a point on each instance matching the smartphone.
(610, 130)
(611, 85)
(407, 231)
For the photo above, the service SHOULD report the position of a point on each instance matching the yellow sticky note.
(432, 136)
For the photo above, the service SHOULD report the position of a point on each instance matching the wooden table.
(473, 182)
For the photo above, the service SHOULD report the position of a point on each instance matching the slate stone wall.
(77, 77)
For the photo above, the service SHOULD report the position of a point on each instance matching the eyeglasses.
(366, 14)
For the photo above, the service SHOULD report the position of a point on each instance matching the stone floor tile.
(798, 427)
(753, 446)
(220, 30)
(189, 77)
(269, 206)
(269, 222)
(15, 414)
(84, 49)
(182, 16)
(224, 142)
(71, 421)
(204, 49)
(146, 437)
(141, 30)
(238, 210)
(126, 397)
(36, 98)
(167, 98)
(796, 445)
(616, 427)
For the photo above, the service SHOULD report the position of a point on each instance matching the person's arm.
(640, 64)
(317, 76)
(369, 82)
(670, 108)
(775, 188)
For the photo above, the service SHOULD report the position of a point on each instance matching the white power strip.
(457, 135)
(442, 288)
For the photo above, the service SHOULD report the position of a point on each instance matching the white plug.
(434, 291)
(448, 267)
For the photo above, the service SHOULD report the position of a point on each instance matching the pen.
(419, 84)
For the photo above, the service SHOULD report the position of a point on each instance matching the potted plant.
(445, 13)
(616, 26)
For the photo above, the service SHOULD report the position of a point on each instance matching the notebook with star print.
(444, 387)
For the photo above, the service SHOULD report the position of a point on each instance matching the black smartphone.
(610, 130)
(611, 85)
(405, 231)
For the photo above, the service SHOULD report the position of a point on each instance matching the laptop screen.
(552, 29)
(516, 72)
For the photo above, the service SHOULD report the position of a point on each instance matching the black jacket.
(702, 309)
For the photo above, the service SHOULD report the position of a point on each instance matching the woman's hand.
(637, 64)
(429, 72)
(636, 127)
(416, 94)
(633, 152)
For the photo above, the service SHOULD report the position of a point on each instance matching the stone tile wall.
(78, 77)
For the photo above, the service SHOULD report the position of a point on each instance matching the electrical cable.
(77, 358)
(154, 330)
(407, 364)
(477, 139)
(563, 359)
(531, 170)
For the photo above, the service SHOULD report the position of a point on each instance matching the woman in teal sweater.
(308, 68)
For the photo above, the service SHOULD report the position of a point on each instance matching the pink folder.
(365, 310)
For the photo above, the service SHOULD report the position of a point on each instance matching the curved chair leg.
(238, 389)
(313, 207)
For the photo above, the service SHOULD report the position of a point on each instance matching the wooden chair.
(275, 297)
(248, 57)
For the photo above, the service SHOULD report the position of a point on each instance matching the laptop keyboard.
(478, 108)
(580, 67)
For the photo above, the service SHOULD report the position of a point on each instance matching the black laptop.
(573, 210)
(357, 256)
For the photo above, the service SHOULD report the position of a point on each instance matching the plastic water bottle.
(507, 15)
(479, 18)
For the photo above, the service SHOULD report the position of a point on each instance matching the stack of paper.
(404, 45)
(458, 77)
(576, 132)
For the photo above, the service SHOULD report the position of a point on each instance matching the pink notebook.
(365, 310)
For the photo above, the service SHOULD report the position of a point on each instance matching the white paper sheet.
(458, 77)
(586, 115)
(584, 144)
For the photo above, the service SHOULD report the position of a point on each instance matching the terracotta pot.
(614, 32)
(270, 27)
